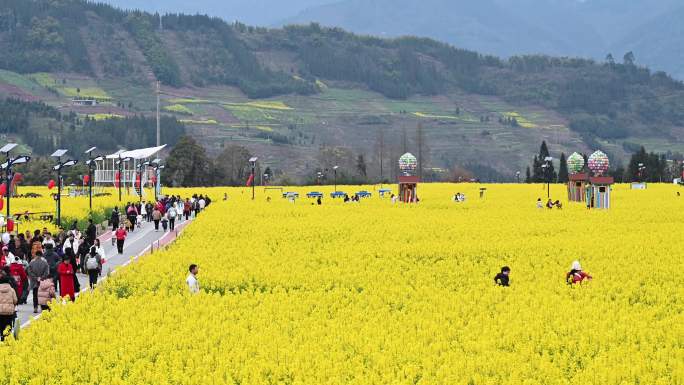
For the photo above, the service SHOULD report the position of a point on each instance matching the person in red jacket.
(18, 272)
(120, 236)
(66, 279)
(576, 275)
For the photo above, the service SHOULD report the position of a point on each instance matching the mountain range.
(591, 28)
(77, 73)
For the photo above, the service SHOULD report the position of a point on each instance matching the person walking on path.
(156, 217)
(114, 220)
(8, 303)
(101, 253)
(187, 208)
(66, 279)
(38, 270)
(52, 260)
(172, 217)
(18, 273)
(91, 232)
(93, 266)
(46, 293)
(120, 238)
(193, 283)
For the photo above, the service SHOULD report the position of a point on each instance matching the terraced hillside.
(285, 94)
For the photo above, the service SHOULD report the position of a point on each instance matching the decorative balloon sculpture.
(408, 163)
(575, 163)
(599, 163)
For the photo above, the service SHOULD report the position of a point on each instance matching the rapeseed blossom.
(382, 293)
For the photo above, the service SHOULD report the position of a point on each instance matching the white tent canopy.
(142, 153)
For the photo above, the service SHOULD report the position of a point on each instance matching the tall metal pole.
(335, 180)
(120, 177)
(158, 123)
(253, 180)
(59, 194)
(90, 187)
(9, 181)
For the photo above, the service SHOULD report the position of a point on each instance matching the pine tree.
(563, 170)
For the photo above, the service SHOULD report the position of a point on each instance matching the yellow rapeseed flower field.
(376, 293)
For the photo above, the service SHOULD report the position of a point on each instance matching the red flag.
(86, 179)
(154, 180)
(51, 184)
(3, 189)
(137, 181)
(117, 179)
(2, 203)
(250, 180)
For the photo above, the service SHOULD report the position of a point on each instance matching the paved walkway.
(138, 243)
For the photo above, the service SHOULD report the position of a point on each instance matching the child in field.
(540, 205)
(502, 279)
(576, 275)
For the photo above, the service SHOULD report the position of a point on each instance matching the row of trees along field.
(654, 168)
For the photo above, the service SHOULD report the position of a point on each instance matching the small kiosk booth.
(598, 191)
(577, 187)
(578, 180)
(588, 184)
(598, 196)
(408, 181)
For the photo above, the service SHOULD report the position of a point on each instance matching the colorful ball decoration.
(408, 163)
(575, 163)
(599, 163)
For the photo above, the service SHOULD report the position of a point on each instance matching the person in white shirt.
(71, 242)
(193, 283)
(202, 203)
(48, 241)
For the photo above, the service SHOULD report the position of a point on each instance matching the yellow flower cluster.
(382, 293)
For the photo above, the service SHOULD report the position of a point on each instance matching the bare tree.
(423, 150)
(380, 152)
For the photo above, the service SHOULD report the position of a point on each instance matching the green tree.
(187, 164)
(361, 166)
(232, 166)
(563, 169)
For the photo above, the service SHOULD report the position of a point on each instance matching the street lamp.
(252, 161)
(517, 175)
(58, 167)
(547, 168)
(156, 165)
(92, 164)
(6, 149)
(335, 172)
(141, 166)
(642, 168)
(119, 163)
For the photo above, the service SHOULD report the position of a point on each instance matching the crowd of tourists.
(41, 263)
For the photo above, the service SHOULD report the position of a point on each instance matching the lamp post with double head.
(7, 149)
(547, 174)
(92, 165)
(119, 164)
(59, 167)
(141, 168)
(252, 162)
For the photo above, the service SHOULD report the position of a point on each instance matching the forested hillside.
(328, 87)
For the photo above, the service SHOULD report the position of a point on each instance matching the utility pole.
(158, 125)
(419, 139)
(381, 145)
